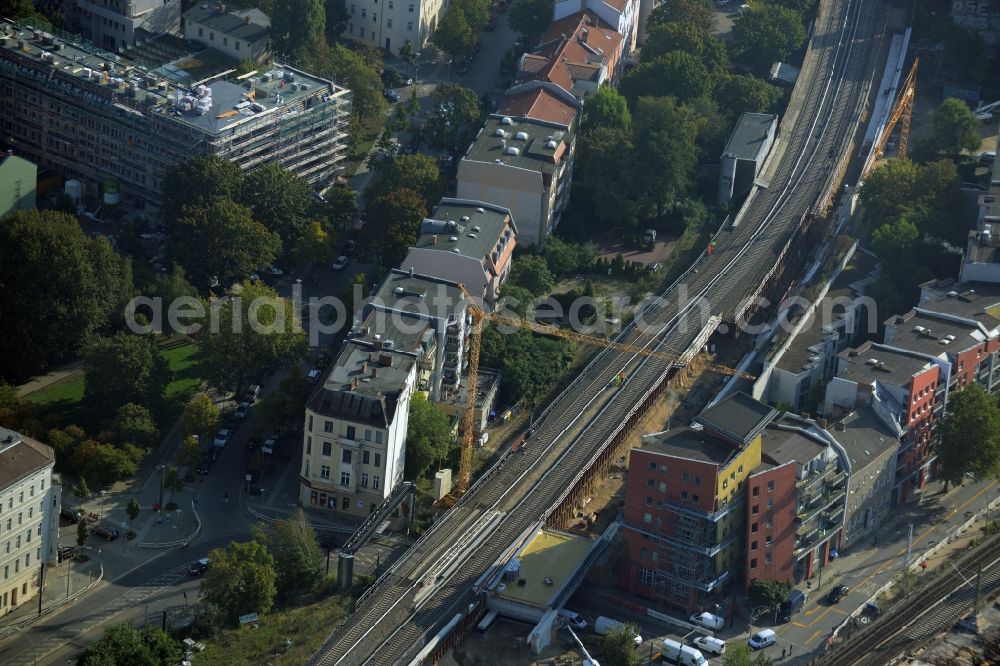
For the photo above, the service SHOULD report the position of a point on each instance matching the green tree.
(801, 7)
(82, 533)
(739, 654)
(517, 299)
(123, 369)
(604, 178)
(476, 12)
(81, 489)
(132, 510)
(970, 437)
(171, 286)
(666, 132)
(677, 74)
(531, 18)
(455, 118)
(134, 424)
(699, 12)
(292, 544)
(337, 18)
(281, 201)
(297, 25)
(190, 452)
(532, 273)
(607, 108)
(686, 37)
(241, 580)
(200, 415)
(103, 463)
(172, 481)
(52, 289)
(269, 334)
(565, 259)
(16, 9)
(341, 208)
(199, 180)
(124, 644)
(745, 93)
(454, 35)
(221, 239)
(954, 128)
(428, 436)
(407, 52)
(766, 33)
(770, 593)
(530, 365)
(359, 72)
(417, 172)
(281, 411)
(393, 224)
(618, 646)
(894, 241)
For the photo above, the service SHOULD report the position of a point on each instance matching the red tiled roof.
(538, 104)
(575, 47)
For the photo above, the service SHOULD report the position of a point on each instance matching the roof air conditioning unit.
(465, 218)
(551, 145)
(521, 136)
(506, 120)
(512, 151)
(500, 133)
(398, 291)
(453, 239)
(480, 210)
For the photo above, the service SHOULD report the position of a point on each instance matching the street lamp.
(756, 613)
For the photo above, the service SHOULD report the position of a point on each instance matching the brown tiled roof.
(23, 458)
(575, 47)
(539, 104)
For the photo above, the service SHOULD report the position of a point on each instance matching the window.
(770, 486)
(725, 483)
(647, 518)
(364, 479)
(756, 491)
(685, 477)
(374, 19)
(237, 45)
(767, 541)
(643, 553)
(409, 26)
(649, 501)
(767, 558)
(328, 426)
(684, 495)
(663, 469)
(346, 455)
(324, 471)
(769, 522)
(740, 470)
(770, 503)
(378, 460)
(309, 446)
(225, 41)
(756, 509)
(388, 23)
(352, 9)
(663, 486)
(753, 563)
(652, 467)
(411, 9)
(351, 432)
(647, 576)
(310, 422)
(753, 545)
(378, 436)
(375, 482)
(390, 4)
(645, 537)
(327, 449)
(201, 33)
(650, 483)
(695, 499)
(368, 435)
(754, 528)
(306, 471)
(697, 480)
(345, 478)
(346, 504)
(211, 36)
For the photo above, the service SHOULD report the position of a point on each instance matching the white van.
(684, 655)
(708, 621)
(710, 644)
(603, 625)
(762, 639)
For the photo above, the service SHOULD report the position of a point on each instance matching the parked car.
(708, 621)
(762, 639)
(838, 593)
(391, 95)
(198, 567)
(253, 443)
(339, 263)
(71, 515)
(573, 619)
(710, 644)
(253, 393)
(270, 444)
(222, 438)
(242, 409)
(275, 271)
(684, 655)
(348, 248)
(108, 533)
(603, 625)
(792, 605)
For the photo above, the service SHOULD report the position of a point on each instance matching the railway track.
(923, 613)
(394, 619)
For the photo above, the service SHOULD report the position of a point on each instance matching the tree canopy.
(677, 73)
(530, 365)
(739, 654)
(240, 580)
(686, 37)
(455, 117)
(200, 415)
(282, 202)
(359, 71)
(199, 180)
(292, 543)
(392, 226)
(417, 172)
(745, 93)
(297, 25)
(428, 436)
(454, 35)
(607, 108)
(124, 644)
(699, 12)
(970, 436)
(122, 369)
(954, 128)
(52, 288)
(618, 646)
(134, 424)
(531, 18)
(531, 272)
(766, 33)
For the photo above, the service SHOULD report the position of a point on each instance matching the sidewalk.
(62, 581)
(53, 377)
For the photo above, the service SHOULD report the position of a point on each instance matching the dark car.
(391, 95)
(199, 567)
(253, 443)
(838, 593)
(72, 516)
(108, 533)
(348, 248)
(392, 78)
(463, 67)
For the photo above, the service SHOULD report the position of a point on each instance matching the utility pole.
(41, 588)
(909, 547)
(975, 600)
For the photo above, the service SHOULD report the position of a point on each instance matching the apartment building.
(114, 24)
(18, 184)
(117, 126)
(798, 498)
(579, 53)
(907, 391)
(354, 438)
(685, 515)
(622, 15)
(981, 262)
(29, 517)
(239, 33)
(466, 242)
(541, 100)
(388, 24)
(523, 165)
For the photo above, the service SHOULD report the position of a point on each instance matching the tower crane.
(901, 110)
(475, 337)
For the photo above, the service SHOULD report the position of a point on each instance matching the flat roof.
(541, 151)
(548, 555)
(690, 444)
(476, 226)
(934, 334)
(738, 416)
(421, 296)
(100, 77)
(750, 134)
(890, 366)
(248, 24)
(780, 446)
(973, 300)
(864, 436)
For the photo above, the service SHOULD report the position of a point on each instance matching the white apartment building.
(387, 24)
(29, 517)
(355, 427)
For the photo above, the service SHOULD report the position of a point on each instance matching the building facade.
(622, 15)
(239, 33)
(114, 24)
(389, 24)
(578, 53)
(18, 184)
(29, 517)
(117, 127)
(745, 154)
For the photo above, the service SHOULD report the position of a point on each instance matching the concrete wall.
(517, 189)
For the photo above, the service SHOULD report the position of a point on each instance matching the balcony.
(814, 505)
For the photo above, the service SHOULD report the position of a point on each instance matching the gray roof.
(891, 367)
(864, 436)
(750, 134)
(251, 25)
(21, 456)
(691, 444)
(533, 153)
(782, 446)
(737, 417)
(419, 296)
(477, 228)
(933, 338)
(973, 300)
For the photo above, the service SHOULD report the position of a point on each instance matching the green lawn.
(370, 129)
(68, 390)
(181, 358)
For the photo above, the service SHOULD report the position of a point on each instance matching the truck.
(603, 625)
(792, 605)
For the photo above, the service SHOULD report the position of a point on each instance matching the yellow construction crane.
(901, 110)
(478, 315)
